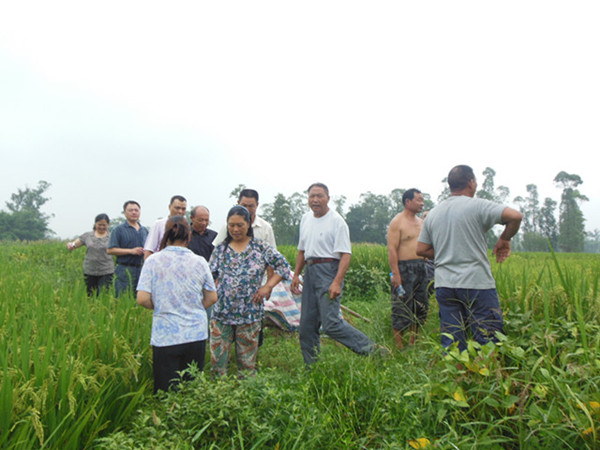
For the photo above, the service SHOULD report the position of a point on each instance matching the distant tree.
(445, 191)
(548, 223)
(488, 190)
(533, 211)
(571, 220)
(592, 241)
(368, 220)
(25, 220)
(534, 242)
(529, 206)
(115, 222)
(396, 200)
(487, 187)
(284, 215)
(235, 193)
(339, 203)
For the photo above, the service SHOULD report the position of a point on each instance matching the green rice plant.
(76, 371)
(67, 358)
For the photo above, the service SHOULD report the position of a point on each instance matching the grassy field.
(76, 372)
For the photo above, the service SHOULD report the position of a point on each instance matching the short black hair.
(459, 177)
(131, 202)
(248, 193)
(410, 195)
(181, 198)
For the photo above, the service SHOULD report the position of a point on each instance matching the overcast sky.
(110, 101)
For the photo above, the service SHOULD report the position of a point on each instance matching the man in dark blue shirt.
(202, 239)
(127, 244)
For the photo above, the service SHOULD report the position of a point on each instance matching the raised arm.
(75, 244)
(511, 218)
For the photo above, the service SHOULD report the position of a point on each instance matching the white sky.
(110, 101)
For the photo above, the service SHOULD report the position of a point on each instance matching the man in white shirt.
(325, 250)
(177, 207)
(248, 198)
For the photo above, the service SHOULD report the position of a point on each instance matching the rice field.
(76, 372)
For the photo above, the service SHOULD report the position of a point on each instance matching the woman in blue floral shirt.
(178, 286)
(239, 264)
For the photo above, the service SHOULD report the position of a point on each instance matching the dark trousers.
(169, 360)
(95, 283)
(464, 310)
(126, 279)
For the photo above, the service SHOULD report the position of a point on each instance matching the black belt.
(312, 261)
(130, 265)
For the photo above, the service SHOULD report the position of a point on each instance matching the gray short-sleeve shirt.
(97, 261)
(456, 229)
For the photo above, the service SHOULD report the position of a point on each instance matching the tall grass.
(72, 367)
(76, 371)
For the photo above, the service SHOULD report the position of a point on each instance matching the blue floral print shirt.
(175, 278)
(239, 276)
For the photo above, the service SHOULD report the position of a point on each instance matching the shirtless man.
(411, 279)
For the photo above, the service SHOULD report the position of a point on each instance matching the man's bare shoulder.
(405, 220)
(396, 221)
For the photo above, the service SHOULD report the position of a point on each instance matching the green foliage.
(25, 220)
(71, 366)
(488, 190)
(75, 372)
(535, 242)
(592, 242)
(368, 220)
(571, 221)
(284, 215)
(365, 282)
(548, 224)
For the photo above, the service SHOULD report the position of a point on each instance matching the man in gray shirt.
(454, 235)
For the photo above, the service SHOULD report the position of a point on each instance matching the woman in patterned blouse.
(178, 286)
(238, 265)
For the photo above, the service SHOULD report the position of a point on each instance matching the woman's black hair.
(239, 210)
(176, 229)
(100, 217)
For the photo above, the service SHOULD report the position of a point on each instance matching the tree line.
(368, 219)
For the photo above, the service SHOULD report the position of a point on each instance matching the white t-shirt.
(324, 237)
(155, 235)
